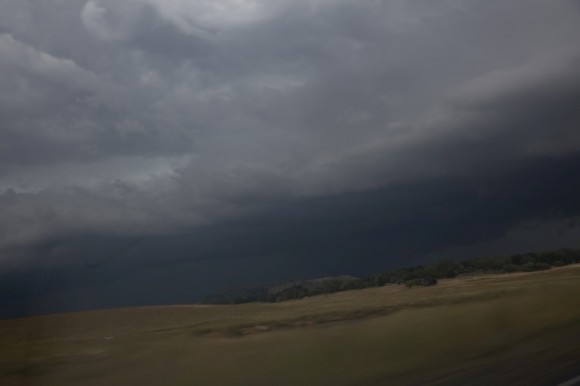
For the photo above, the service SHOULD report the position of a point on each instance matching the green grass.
(494, 329)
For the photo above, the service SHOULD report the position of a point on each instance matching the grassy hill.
(411, 276)
(520, 328)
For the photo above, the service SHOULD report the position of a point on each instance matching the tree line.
(413, 276)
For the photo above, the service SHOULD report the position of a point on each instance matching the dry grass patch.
(376, 336)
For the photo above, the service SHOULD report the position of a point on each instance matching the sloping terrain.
(521, 328)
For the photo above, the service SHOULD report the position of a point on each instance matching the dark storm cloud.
(490, 125)
(320, 136)
(350, 233)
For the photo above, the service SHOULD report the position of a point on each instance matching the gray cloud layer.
(149, 119)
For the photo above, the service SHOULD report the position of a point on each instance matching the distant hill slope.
(419, 275)
(284, 291)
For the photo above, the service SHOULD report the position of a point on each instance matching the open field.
(496, 329)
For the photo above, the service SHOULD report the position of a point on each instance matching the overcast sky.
(153, 151)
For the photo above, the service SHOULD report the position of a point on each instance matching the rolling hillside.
(521, 328)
